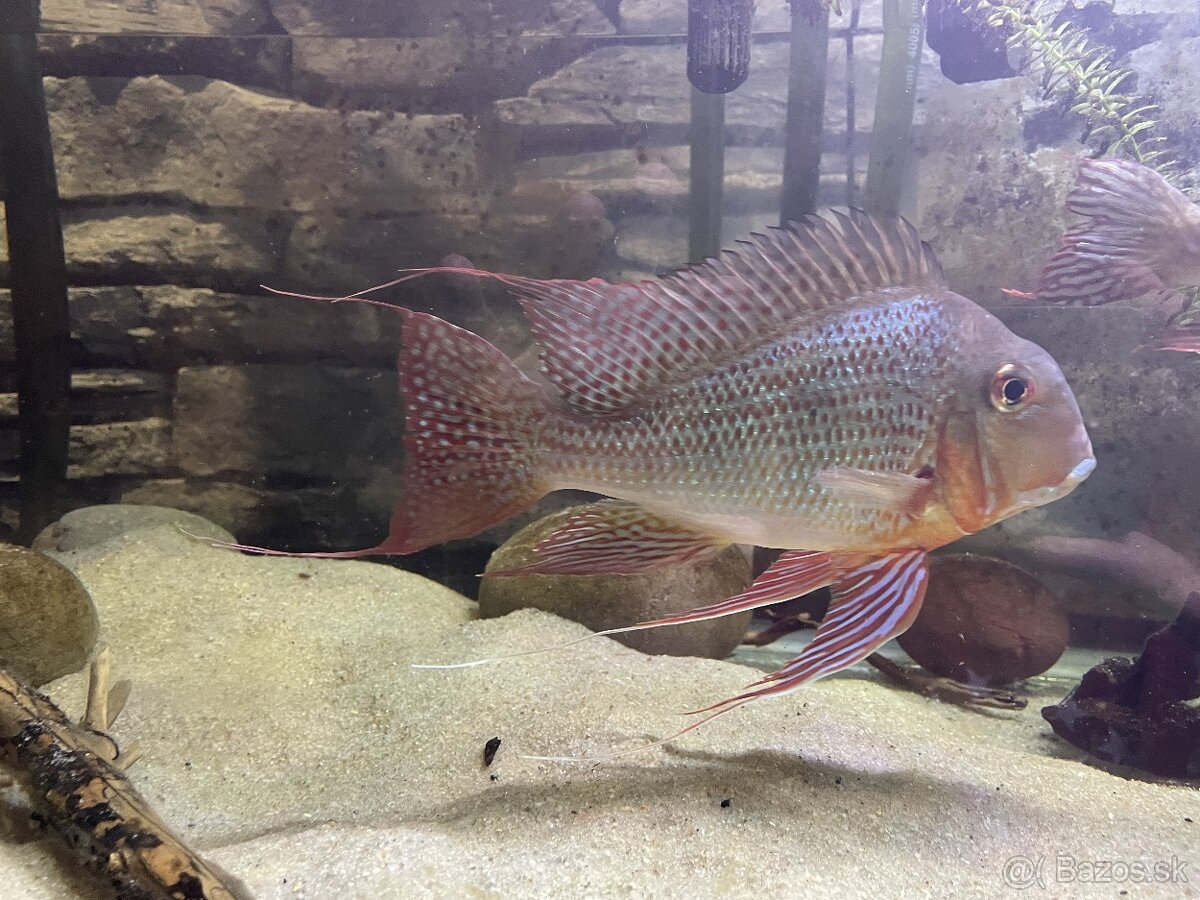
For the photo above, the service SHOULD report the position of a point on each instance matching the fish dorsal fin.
(605, 346)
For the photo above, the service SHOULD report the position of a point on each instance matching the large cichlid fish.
(818, 390)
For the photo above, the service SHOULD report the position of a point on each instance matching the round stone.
(48, 625)
(986, 622)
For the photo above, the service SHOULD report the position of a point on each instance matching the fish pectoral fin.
(616, 538)
(872, 604)
(884, 491)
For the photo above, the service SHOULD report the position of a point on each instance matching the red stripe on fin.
(1131, 233)
(794, 574)
(1182, 339)
(604, 346)
(871, 605)
(615, 538)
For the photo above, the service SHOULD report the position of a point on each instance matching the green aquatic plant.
(1081, 70)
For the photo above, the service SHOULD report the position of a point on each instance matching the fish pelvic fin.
(1130, 219)
(1180, 338)
(872, 604)
(615, 537)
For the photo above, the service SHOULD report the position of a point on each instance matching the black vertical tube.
(37, 270)
(805, 110)
(706, 175)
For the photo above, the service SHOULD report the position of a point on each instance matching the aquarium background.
(206, 149)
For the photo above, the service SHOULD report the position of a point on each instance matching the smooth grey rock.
(328, 516)
(611, 601)
(48, 625)
(93, 526)
(216, 144)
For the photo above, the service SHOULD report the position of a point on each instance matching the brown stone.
(163, 16)
(165, 327)
(133, 244)
(617, 95)
(986, 622)
(611, 601)
(249, 61)
(388, 18)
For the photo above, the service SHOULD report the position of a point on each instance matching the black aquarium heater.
(718, 55)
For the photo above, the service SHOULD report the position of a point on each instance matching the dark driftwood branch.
(74, 776)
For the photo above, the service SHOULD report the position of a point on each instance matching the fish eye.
(1010, 388)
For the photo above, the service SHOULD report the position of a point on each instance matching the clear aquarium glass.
(233, 234)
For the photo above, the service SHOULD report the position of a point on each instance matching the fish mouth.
(1043, 495)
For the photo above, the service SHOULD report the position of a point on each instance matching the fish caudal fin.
(1130, 216)
(470, 425)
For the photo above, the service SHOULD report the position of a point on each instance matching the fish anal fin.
(872, 604)
(615, 538)
(896, 492)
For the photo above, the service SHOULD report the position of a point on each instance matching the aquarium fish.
(1139, 234)
(818, 390)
